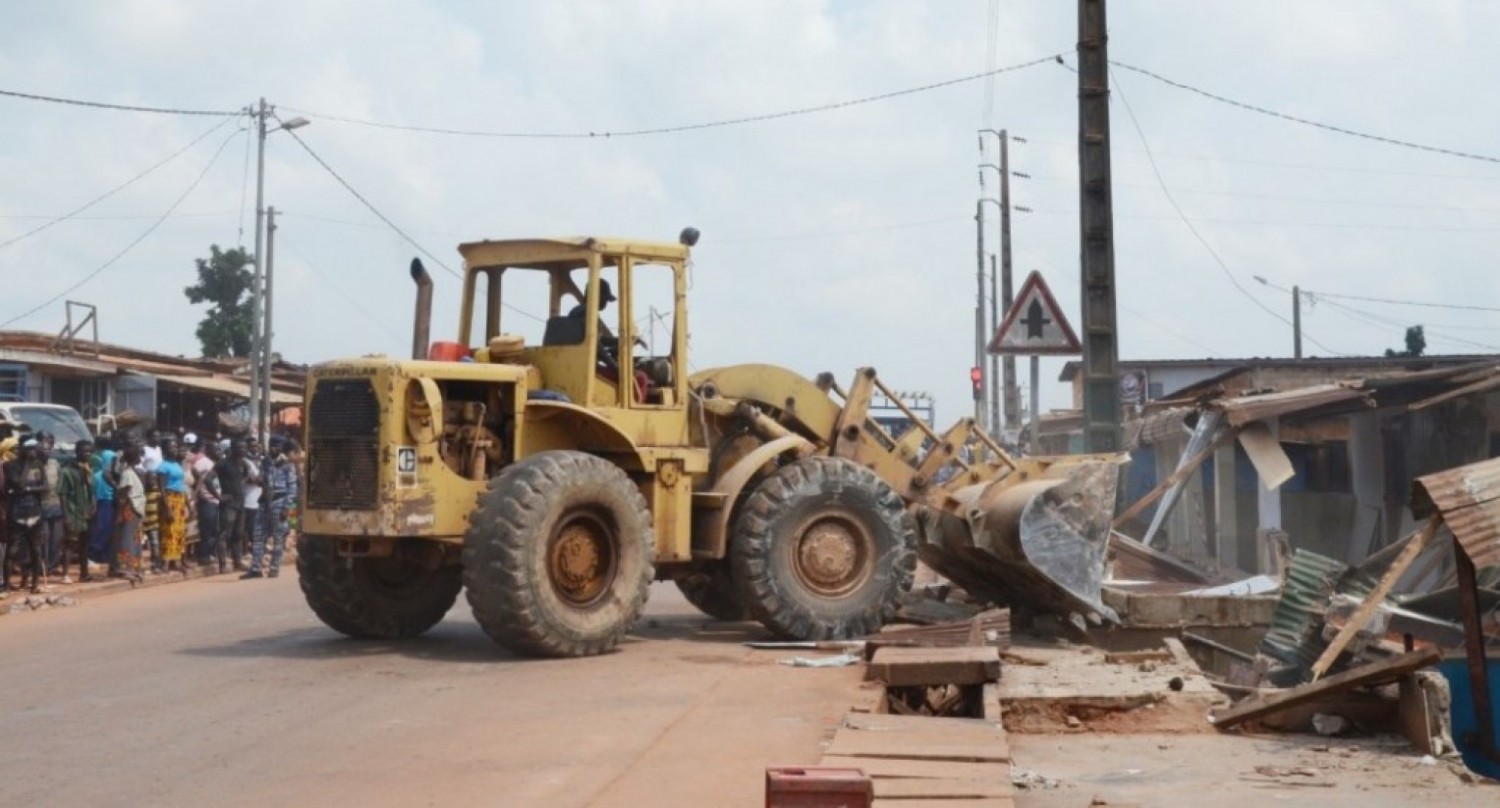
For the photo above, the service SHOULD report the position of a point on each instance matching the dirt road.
(231, 693)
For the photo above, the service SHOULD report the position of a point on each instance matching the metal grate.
(343, 453)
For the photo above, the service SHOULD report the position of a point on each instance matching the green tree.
(224, 280)
(1416, 343)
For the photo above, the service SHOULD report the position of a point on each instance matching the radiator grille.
(343, 453)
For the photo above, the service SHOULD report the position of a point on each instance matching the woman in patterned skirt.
(173, 515)
(130, 505)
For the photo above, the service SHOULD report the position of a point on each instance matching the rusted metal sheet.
(1468, 497)
(1248, 409)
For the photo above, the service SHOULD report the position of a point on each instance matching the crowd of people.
(126, 502)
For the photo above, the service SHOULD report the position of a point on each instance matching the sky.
(830, 241)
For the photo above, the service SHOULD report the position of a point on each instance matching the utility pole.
(979, 334)
(256, 290)
(267, 353)
(1297, 322)
(1008, 363)
(993, 391)
(1101, 378)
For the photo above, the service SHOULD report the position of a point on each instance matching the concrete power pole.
(979, 335)
(993, 391)
(1101, 377)
(1297, 321)
(1008, 363)
(256, 290)
(267, 354)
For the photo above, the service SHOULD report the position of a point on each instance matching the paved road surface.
(227, 693)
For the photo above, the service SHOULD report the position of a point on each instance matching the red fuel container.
(817, 787)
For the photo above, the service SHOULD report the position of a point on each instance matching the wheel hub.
(580, 561)
(832, 556)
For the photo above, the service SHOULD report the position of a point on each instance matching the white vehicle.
(62, 422)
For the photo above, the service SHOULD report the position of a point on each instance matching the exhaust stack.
(422, 327)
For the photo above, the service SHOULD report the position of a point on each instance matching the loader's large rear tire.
(712, 591)
(822, 550)
(388, 598)
(559, 556)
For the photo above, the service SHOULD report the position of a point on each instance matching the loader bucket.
(1037, 543)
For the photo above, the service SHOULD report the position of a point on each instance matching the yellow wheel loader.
(553, 466)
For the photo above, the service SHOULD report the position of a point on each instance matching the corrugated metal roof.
(1249, 409)
(1295, 637)
(1468, 497)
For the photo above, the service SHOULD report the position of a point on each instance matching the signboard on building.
(1035, 325)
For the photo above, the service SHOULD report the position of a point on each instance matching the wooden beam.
(1182, 473)
(964, 665)
(1372, 602)
(1373, 674)
(1469, 389)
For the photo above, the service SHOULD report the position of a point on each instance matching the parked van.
(64, 423)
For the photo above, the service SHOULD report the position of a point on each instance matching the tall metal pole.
(1008, 363)
(1297, 321)
(979, 311)
(1101, 378)
(266, 352)
(1036, 405)
(256, 282)
(993, 390)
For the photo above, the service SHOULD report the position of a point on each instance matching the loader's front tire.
(559, 555)
(389, 598)
(822, 550)
(712, 591)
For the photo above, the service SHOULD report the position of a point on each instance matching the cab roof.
(565, 250)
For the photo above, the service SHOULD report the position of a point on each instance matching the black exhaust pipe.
(422, 328)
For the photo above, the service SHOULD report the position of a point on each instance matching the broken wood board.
(900, 667)
(1377, 673)
(942, 788)
(1414, 547)
(1137, 657)
(986, 628)
(921, 768)
(1266, 455)
(909, 746)
(986, 802)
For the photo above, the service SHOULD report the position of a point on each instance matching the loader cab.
(544, 305)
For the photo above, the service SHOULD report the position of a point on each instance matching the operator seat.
(564, 330)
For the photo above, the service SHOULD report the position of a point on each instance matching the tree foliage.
(1416, 343)
(224, 281)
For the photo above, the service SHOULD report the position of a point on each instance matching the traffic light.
(976, 375)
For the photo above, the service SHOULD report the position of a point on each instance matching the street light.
(260, 291)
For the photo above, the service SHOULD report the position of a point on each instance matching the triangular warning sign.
(1035, 324)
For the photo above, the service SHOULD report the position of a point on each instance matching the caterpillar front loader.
(554, 475)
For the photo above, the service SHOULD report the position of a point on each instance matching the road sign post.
(1034, 326)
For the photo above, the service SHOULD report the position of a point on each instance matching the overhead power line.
(665, 130)
(78, 102)
(128, 247)
(388, 223)
(1342, 130)
(118, 188)
(1224, 267)
(1394, 302)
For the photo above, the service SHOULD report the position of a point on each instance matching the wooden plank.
(856, 743)
(958, 728)
(988, 802)
(1373, 600)
(991, 696)
(1172, 479)
(900, 667)
(1377, 673)
(1266, 455)
(908, 767)
(1416, 718)
(947, 788)
(1179, 652)
(1137, 657)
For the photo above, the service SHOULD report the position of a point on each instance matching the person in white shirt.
(253, 487)
(151, 452)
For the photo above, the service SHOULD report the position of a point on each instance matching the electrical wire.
(118, 188)
(1372, 318)
(848, 232)
(122, 218)
(1270, 223)
(1281, 197)
(1166, 192)
(691, 127)
(77, 102)
(382, 217)
(1393, 302)
(1390, 141)
(380, 323)
(138, 239)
